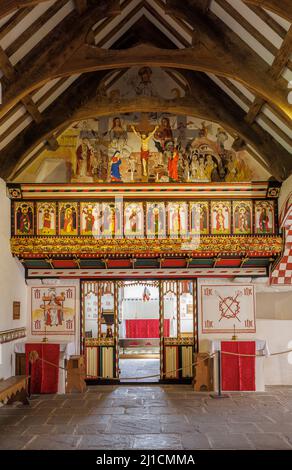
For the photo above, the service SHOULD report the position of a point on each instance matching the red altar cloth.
(145, 328)
(44, 377)
(238, 373)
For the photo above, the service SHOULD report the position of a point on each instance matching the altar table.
(145, 328)
(66, 349)
(240, 374)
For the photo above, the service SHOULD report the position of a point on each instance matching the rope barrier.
(34, 356)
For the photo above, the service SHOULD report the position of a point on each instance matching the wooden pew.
(14, 389)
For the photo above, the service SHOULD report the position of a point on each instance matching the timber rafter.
(280, 7)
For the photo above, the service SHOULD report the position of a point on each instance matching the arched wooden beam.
(205, 101)
(253, 73)
(280, 7)
(8, 6)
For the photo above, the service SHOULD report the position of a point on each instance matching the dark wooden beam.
(254, 110)
(8, 6)
(212, 33)
(283, 55)
(205, 100)
(280, 7)
(277, 67)
(56, 48)
(81, 6)
(250, 71)
(10, 74)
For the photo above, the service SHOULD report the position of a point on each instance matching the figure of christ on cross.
(145, 137)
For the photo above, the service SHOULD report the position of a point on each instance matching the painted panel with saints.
(177, 219)
(133, 219)
(46, 218)
(24, 215)
(89, 213)
(264, 217)
(199, 218)
(242, 217)
(156, 219)
(111, 219)
(220, 217)
(68, 218)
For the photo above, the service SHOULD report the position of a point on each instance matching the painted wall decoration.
(24, 216)
(177, 219)
(145, 147)
(264, 217)
(53, 310)
(133, 219)
(46, 218)
(227, 308)
(68, 218)
(199, 218)
(242, 217)
(156, 219)
(220, 217)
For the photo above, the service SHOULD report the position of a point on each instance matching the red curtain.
(44, 377)
(238, 373)
(145, 328)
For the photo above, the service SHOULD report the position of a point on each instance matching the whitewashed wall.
(12, 287)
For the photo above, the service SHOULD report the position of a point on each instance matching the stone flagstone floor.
(150, 417)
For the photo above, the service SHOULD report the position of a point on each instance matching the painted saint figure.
(68, 219)
(145, 138)
(173, 166)
(220, 218)
(25, 220)
(115, 166)
(84, 159)
(264, 222)
(89, 219)
(156, 220)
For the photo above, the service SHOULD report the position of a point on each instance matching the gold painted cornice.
(86, 247)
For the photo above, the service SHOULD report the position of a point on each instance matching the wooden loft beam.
(280, 7)
(210, 32)
(9, 72)
(7, 6)
(21, 39)
(254, 109)
(205, 100)
(252, 73)
(32, 108)
(283, 55)
(57, 47)
(81, 6)
(280, 61)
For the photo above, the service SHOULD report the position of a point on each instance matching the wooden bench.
(14, 389)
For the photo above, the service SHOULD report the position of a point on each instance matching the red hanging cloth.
(44, 377)
(238, 372)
